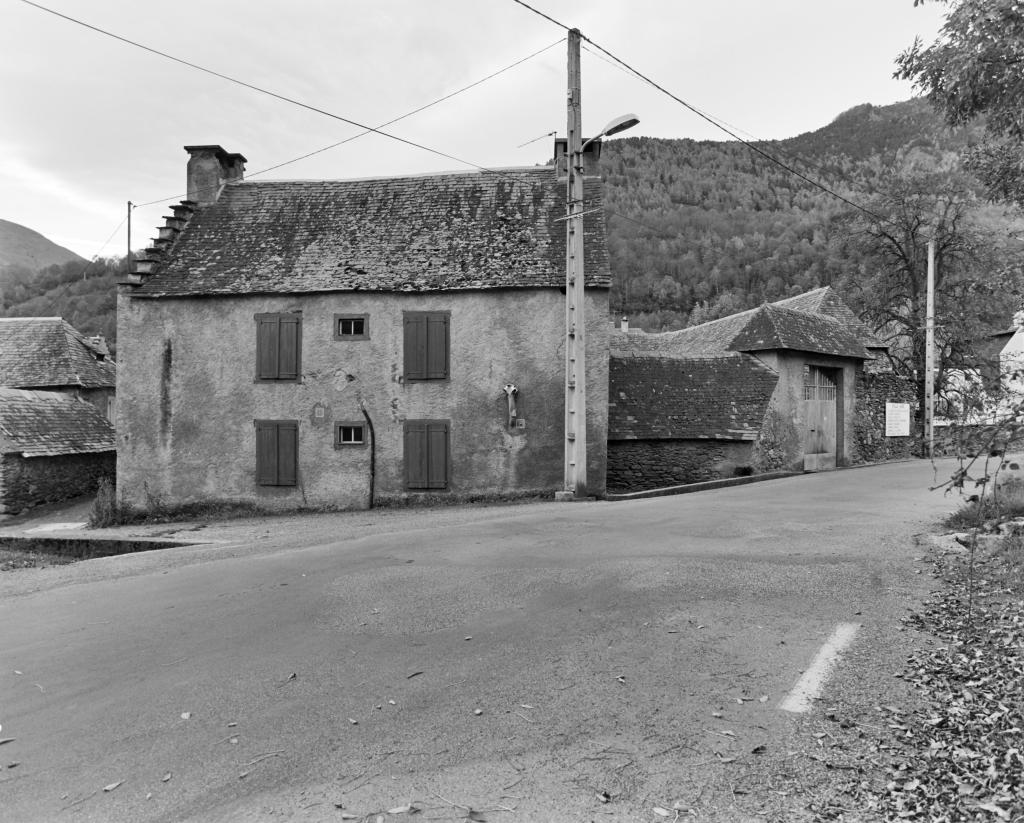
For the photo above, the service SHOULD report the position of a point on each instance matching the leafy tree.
(973, 294)
(974, 69)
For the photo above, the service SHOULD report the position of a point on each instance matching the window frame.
(265, 319)
(421, 370)
(262, 472)
(340, 443)
(427, 484)
(338, 318)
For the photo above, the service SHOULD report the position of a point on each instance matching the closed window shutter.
(437, 346)
(266, 453)
(290, 341)
(415, 347)
(287, 453)
(267, 347)
(437, 455)
(416, 476)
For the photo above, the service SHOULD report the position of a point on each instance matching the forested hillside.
(719, 228)
(84, 294)
(697, 230)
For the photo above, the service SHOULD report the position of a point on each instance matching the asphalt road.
(529, 658)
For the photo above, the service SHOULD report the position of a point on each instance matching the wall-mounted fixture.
(511, 391)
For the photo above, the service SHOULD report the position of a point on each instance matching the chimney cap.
(216, 150)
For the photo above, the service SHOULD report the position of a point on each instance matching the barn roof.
(41, 424)
(43, 352)
(722, 398)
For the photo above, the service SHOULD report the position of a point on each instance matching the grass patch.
(1006, 503)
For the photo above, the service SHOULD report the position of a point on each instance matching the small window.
(278, 346)
(425, 343)
(348, 434)
(277, 452)
(351, 327)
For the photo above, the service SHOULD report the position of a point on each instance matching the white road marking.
(809, 686)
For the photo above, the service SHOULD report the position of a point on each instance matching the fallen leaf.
(111, 786)
(186, 715)
(353, 721)
(478, 711)
(165, 778)
(726, 759)
(14, 765)
(716, 714)
(759, 749)
(17, 672)
(525, 706)
(604, 797)
(763, 699)
(470, 637)
(661, 812)
(392, 703)
(348, 816)
(401, 809)
(149, 795)
(232, 725)
(414, 674)
(7, 740)
(243, 775)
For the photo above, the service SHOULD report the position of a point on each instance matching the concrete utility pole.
(575, 294)
(929, 354)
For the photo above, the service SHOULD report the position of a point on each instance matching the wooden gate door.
(819, 418)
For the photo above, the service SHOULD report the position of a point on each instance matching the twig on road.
(81, 800)
(263, 757)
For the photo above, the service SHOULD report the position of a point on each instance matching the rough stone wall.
(638, 465)
(31, 481)
(874, 390)
(188, 398)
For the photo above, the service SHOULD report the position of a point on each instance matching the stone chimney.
(209, 168)
(591, 154)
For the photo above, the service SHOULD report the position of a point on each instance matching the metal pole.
(575, 469)
(929, 353)
(128, 257)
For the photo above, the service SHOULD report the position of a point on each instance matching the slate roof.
(44, 352)
(723, 398)
(411, 234)
(813, 322)
(40, 424)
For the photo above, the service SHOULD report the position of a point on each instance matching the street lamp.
(575, 465)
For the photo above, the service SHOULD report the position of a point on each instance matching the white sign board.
(897, 419)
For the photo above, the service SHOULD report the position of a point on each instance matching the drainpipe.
(373, 452)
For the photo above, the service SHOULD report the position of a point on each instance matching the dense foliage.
(974, 69)
(698, 230)
(84, 294)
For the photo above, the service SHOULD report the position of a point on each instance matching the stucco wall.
(781, 442)
(187, 397)
(638, 465)
(31, 481)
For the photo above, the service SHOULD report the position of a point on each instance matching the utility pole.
(929, 354)
(128, 257)
(575, 295)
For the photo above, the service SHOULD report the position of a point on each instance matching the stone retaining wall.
(638, 465)
(874, 390)
(31, 481)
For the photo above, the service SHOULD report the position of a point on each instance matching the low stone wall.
(638, 465)
(870, 444)
(31, 481)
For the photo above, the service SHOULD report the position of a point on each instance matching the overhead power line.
(260, 90)
(365, 132)
(753, 147)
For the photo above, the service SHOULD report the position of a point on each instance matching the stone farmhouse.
(796, 385)
(57, 391)
(349, 343)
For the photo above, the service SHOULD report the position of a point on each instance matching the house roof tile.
(43, 352)
(722, 398)
(40, 424)
(438, 232)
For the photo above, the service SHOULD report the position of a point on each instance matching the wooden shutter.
(267, 346)
(289, 346)
(266, 453)
(287, 453)
(416, 476)
(437, 455)
(277, 452)
(437, 346)
(415, 347)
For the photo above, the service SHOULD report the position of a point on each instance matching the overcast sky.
(88, 123)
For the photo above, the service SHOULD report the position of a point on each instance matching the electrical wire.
(708, 118)
(259, 89)
(439, 100)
